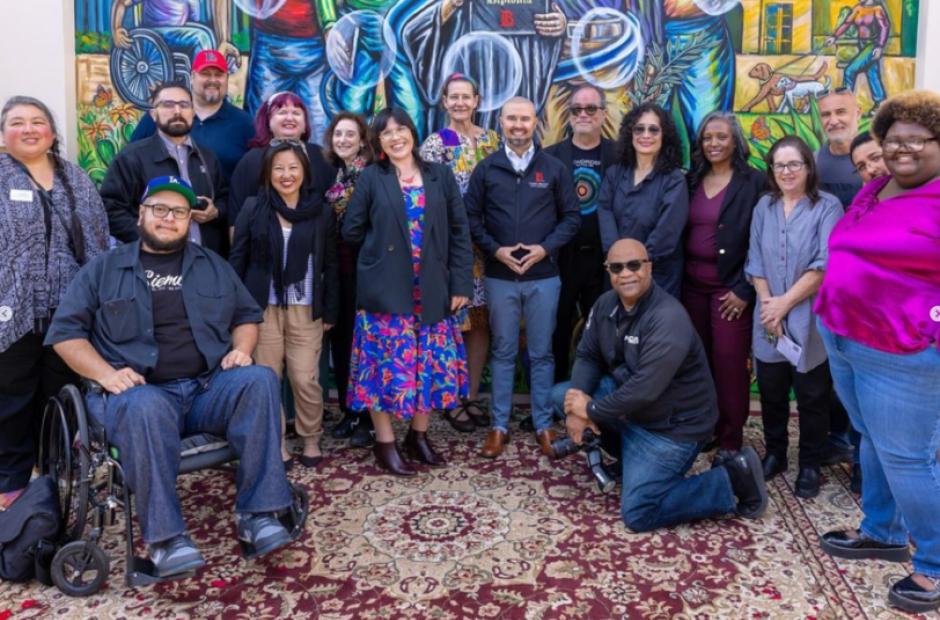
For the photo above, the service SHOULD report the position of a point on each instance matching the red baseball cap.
(209, 58)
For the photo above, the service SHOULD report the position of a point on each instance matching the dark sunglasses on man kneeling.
(632, 265)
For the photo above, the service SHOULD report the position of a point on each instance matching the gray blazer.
(376, 219)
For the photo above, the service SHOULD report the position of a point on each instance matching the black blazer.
(253, 264)
(376, 218)
(734, 228)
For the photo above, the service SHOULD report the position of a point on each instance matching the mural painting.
(766, 60)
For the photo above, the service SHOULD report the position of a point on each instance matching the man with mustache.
(171, 151)
(218, 125)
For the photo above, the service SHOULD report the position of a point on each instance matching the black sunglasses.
(831, 91)
(632, 265)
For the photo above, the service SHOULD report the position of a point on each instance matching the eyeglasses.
(790, 166)
(909, 144)
(290, 141)
(160, 211)
(169, 104)
(653, 130)
(388, 134)
(831, 91)
(633, 265)
(590, 110)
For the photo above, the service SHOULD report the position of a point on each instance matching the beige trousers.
(290, 335)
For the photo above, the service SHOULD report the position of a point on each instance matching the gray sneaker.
(174, 556)
(262, 532)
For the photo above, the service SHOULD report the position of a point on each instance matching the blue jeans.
(865, 62)
(656, 493)
(146, 422)
(189, 39)
(893, 404)
(509, 301)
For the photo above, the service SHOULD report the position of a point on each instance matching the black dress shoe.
(909, 596)
(288, 464)
(527, 425)
(807, 482)
(364, 435)
(747, 482)
(855, 485)
(345, 428)
(773, 465)
(839, 544)
(838, 454)
(310, 461)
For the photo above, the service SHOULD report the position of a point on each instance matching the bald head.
(630, 269)
(518, 103)
(518, 122)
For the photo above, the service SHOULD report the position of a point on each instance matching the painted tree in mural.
(764, 59)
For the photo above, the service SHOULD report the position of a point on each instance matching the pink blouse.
(882, 282)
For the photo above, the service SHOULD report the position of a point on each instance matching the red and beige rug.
(520, 537)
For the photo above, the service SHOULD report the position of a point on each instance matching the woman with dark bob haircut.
(723, 190)
(879, 316)
(414, 273)
(786, 261)
(645, 196)
(349, 151)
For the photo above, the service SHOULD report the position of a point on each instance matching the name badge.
(21, 195)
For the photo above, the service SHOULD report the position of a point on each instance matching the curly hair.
(916, 106)
(670, 155)
(701, 165)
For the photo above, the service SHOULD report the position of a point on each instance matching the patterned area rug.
(519, 537)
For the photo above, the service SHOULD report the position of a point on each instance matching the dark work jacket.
(654, 212)
(658, 363)
(734, 228)
(110, 304)
(254, 266)
(537, 206)
(247, 177)
(376, 219)
(138, 163)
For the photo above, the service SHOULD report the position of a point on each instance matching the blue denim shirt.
(109, 303)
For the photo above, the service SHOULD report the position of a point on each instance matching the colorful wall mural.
(764, 59)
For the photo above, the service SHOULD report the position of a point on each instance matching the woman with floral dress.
(413, 273)
(461, 145)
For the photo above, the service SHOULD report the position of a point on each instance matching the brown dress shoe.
(389, 459)
(496, 440)
(417, 448)
(546, 437)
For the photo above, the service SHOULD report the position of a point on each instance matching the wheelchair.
(87, 471)
(137, 70)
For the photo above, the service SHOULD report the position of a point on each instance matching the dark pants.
(812, 402)
(582, 282)
(341, 336)
(147, 421)
(728, 346)
(29, 374)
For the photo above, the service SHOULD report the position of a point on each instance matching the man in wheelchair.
(167, 329)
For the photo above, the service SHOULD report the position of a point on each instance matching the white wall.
(927, 73)
(37, 58)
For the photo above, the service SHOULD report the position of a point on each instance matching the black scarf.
(290, 274)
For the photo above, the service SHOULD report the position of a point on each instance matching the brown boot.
(389, 459)
(417, 447)
(546, 437)
(496, 440)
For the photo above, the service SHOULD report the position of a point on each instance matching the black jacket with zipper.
(253, 264)
(657, 361)
(536, 206)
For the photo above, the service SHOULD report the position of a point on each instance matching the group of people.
(245, 250)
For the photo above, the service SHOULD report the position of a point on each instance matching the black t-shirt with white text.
(177, 357)
(588, 174)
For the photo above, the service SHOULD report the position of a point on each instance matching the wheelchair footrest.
(143, 573)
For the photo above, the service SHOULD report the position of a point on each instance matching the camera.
(201, 204)
(591, 446)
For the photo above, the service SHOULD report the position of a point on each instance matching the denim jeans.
(892, 401)
(656, 493)
(146, 422)
(509, 301)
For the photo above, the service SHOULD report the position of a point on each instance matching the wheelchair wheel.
(136, 70)
(63, 454)
(80, 568)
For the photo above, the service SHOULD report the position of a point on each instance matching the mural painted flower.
(96, 129)
(123, 113)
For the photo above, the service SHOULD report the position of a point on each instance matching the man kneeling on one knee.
(641, 379)
(167, 329)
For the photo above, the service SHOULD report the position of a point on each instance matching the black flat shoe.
(839, 544)
(465, 425)
(773, 465)
(345, 428)
(909, 596)
(364, 435)
(310, 461)
(807, 482)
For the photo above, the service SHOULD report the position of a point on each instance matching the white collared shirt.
(520, 162)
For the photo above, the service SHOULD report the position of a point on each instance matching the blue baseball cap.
(170, 184)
